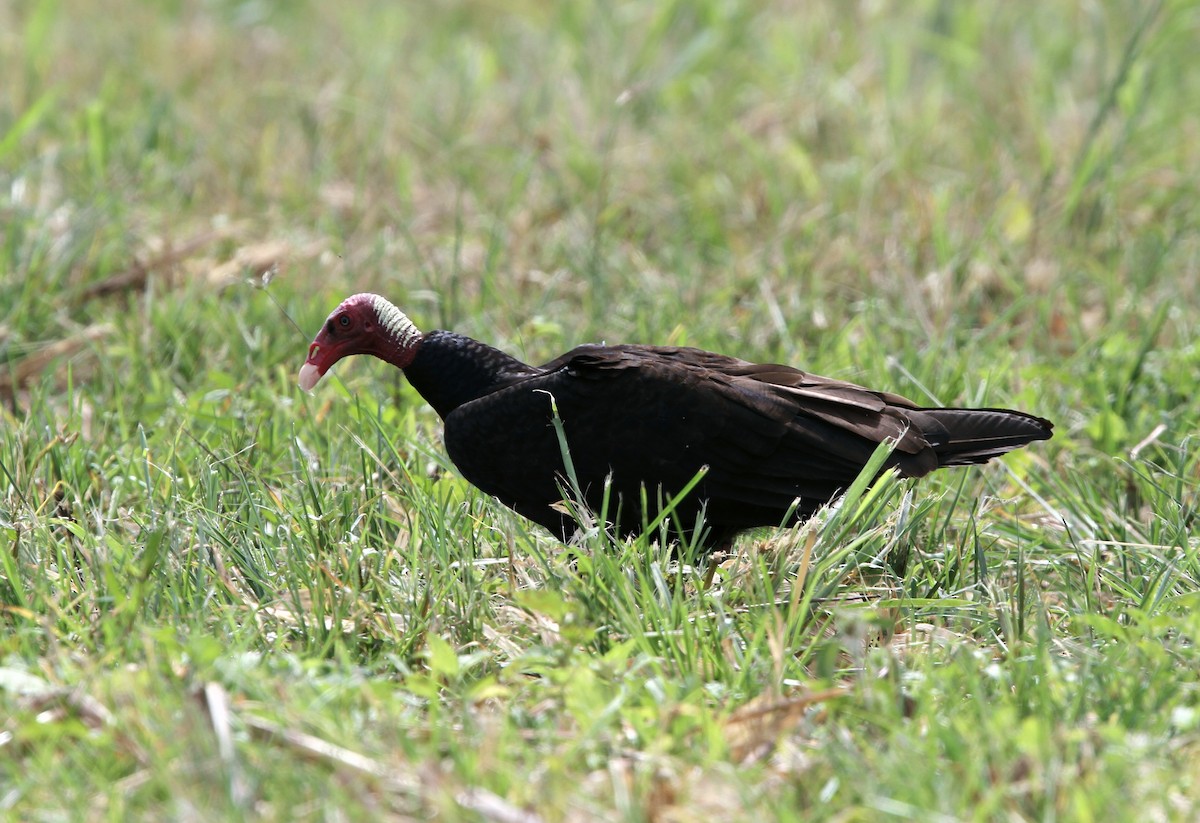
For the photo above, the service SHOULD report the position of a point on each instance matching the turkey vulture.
(778, 443)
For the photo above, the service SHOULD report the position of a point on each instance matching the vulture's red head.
(363, 324)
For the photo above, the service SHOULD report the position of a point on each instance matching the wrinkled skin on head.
(355, 327)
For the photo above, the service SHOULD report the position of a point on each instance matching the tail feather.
(962, 437)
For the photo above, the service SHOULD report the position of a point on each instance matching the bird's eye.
(344, 320)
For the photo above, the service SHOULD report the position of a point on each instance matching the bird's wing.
(655, 415)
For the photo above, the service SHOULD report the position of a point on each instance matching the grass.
(224, 599)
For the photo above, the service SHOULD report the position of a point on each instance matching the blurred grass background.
(208, 580)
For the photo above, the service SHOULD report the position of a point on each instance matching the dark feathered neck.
(450, 369)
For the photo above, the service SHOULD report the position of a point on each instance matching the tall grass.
(222, 598)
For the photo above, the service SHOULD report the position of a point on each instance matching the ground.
(222, 598)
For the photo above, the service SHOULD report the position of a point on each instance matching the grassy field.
(221, 598)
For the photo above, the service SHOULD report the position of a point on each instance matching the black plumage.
(778, 443)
